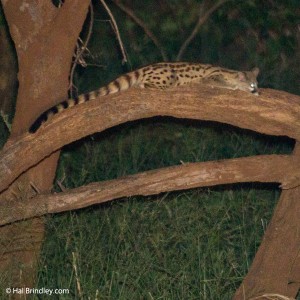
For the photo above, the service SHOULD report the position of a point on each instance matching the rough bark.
(264, 168)
(44, 38)
(276, 267)
(274, 112)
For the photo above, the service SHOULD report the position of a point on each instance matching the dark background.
(195, 244)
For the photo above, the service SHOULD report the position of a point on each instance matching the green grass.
(195, 244)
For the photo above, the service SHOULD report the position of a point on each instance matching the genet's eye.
(252, 85)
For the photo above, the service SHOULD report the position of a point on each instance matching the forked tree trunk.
(44, 38)
(43, 80)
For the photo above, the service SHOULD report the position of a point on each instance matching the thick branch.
(274, 112)
(265, 168)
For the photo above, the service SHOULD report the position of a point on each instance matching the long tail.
(122, 83)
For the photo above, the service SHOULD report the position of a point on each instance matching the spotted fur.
(163, 76)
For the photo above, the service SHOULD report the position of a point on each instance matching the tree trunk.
(44, 37)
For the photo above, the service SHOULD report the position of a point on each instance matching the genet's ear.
(255, 71)
(242, 76)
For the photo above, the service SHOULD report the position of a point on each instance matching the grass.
(185, 246)
(195, 244)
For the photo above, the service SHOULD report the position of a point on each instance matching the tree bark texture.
(275, 113)
(276, 267)
(44, 38)
(264, 168)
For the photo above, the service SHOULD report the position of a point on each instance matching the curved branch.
(274, 112)
(264, 168)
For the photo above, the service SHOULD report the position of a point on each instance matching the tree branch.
(275, 269)
(274, 112)
(202, 19)
(141, 23)
(117, 32)
(80, 50)
(264, 168)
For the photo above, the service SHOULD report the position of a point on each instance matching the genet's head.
(248, 81)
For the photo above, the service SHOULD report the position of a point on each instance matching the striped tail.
(46, 115)
(122, 83)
